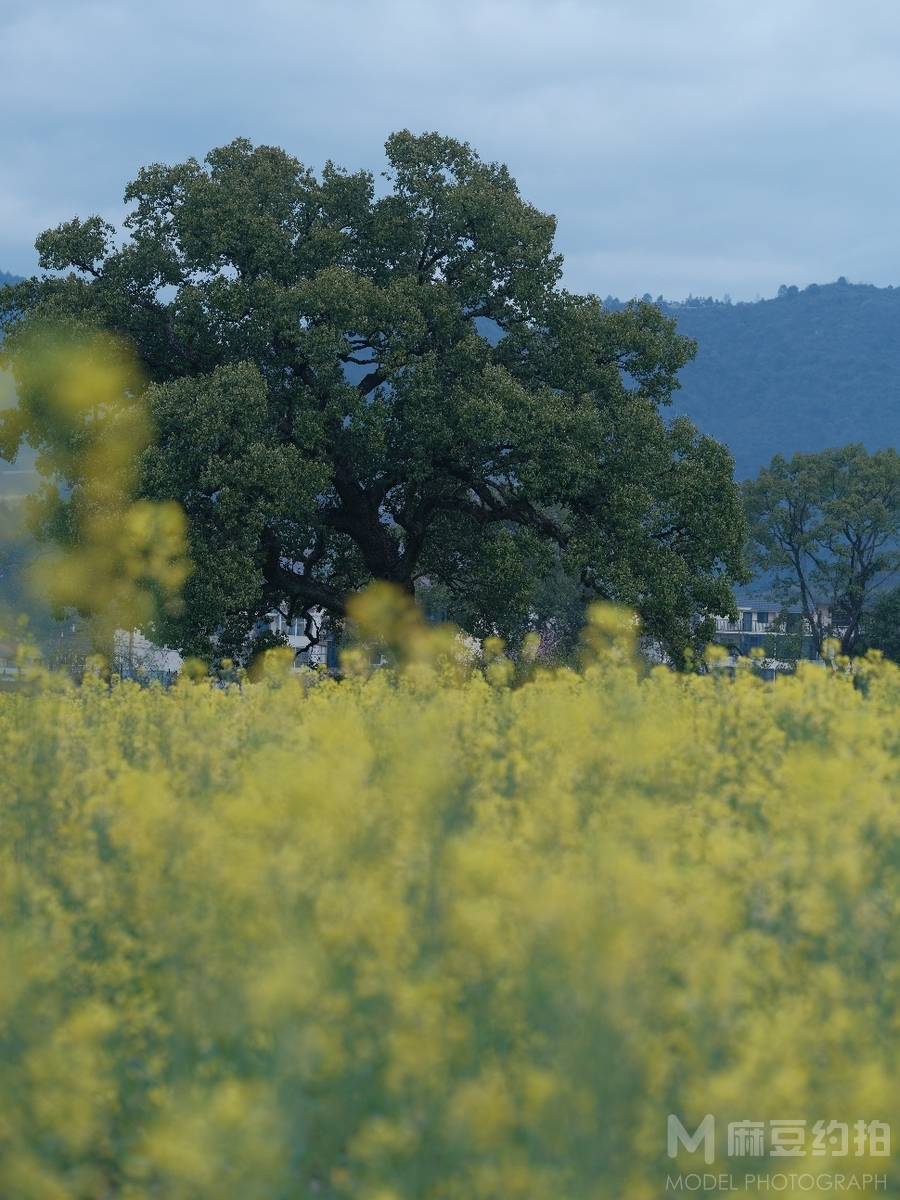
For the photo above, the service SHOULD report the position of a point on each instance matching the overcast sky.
(707, 147)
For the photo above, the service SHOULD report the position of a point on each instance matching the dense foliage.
(434, 936)
(327, 410)
(800, 372)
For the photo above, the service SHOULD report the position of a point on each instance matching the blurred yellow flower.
(428, 937)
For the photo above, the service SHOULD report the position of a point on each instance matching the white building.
(321, 653)
(781, 632)
(136, 657)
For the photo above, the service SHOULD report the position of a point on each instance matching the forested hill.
(5, 278)
(805, 370)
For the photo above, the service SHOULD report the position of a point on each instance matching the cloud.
(699, 147)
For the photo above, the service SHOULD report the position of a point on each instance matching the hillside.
(805, 370)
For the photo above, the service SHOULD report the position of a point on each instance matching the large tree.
(827, 527)
(352, 382)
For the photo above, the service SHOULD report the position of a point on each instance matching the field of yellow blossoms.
(436, 933)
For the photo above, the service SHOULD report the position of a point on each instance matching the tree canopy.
(828, 527)
(328, 410)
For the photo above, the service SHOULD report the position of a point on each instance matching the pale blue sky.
(701, 146)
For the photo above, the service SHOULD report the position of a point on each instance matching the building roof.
(765, 602)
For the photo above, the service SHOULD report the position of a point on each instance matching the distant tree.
(827, 526)
(328, 410)
(881, 625)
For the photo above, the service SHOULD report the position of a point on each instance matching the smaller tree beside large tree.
(882, 625)
(826, 527)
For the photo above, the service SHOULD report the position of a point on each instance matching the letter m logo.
(705, 1133)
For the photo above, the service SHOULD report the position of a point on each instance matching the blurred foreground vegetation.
(435, 931)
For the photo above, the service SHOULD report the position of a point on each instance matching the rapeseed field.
(438, 930)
